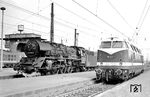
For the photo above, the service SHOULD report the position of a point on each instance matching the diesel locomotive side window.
(105, 44)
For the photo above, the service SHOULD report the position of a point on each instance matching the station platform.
(40, 86)
(136, 87)
(7, 72)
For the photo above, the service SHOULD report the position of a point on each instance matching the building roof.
(22, 36)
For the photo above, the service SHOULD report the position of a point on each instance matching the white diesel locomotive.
(118, 59)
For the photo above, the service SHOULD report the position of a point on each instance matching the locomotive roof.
(121, 39)
(114, 39)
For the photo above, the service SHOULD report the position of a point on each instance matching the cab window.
(117, 44)
(105, 44)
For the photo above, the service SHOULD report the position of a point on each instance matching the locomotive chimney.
(52, 24)
(76, 38)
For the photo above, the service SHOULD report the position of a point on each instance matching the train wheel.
(142, 70)
(77, 70)
(83, 69)
(58, 71)
(130, 75)
(98, 77)
(62, 70)
(68, 70)
(54, 71)
(65, 70)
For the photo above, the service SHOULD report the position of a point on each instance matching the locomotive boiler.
(52, 58)
(118, 59)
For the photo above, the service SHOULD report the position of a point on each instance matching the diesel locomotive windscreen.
(112, 44)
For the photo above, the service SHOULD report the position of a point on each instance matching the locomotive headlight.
(118, 72)
(98, 71)
(125, 71)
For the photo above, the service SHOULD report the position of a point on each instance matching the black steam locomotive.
(52, 58)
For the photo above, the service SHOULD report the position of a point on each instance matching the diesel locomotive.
(118, 59)
(44, 58)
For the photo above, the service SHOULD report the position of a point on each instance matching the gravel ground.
(87, 91)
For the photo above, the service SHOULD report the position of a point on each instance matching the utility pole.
(2, 8)
(76, 38)
(52, 24)
(61, 41)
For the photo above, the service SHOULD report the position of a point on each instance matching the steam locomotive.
(118, 59)
(52, 58)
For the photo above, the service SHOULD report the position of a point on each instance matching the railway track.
(87, 91)
(80, 89)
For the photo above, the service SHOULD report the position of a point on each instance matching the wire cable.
(44, 17)
(120, 15)
(138, 27)
(74, 13)
(27, 21)
(100, 18)
(142, 13)
(143, 19)
(25, 10)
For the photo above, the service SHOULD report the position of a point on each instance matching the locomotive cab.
(111, 52)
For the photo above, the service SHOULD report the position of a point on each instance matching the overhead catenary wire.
(30, 29)
(36, 14)
(100, 18)
(97, 6)
(46, 18)
(142, 13)
(141, 20)
(74, 13)
(139, 28)
(79, 26)
(65, 25)
(120, 15)
(27, 21)
(48, 26)
(25, 10)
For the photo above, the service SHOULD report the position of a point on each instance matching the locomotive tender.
(118, 59)
(52, 58)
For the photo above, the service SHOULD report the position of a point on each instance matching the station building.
(12, 55)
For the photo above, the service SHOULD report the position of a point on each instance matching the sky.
(93, 19)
